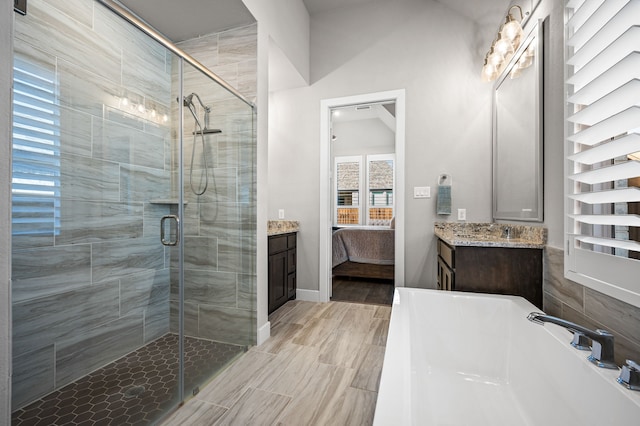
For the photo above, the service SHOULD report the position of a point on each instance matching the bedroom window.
(364, 187)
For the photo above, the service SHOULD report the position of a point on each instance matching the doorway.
(373, 204)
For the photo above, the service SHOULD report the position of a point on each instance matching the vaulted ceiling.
(185, 19)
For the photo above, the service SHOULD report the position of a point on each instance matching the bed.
(363, 252)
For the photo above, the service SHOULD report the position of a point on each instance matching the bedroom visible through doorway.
(394, 102)
(363, 138)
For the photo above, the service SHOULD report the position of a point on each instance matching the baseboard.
(264, 333)
(308, 295)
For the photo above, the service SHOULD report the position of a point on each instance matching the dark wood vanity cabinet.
(282, 269)
(496, 270)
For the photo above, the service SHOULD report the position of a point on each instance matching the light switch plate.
(281, 214)
(421, 192)
(462, 214)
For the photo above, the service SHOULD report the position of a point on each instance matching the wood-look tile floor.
(321, 366)
(362, 290)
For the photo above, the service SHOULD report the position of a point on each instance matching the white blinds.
(36, 151)
(603, 66)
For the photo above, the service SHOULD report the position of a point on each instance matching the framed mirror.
(517, 134)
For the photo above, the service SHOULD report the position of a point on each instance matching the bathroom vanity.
(491, 258)
(282, 262)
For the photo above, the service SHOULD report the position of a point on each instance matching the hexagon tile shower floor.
(133, 390)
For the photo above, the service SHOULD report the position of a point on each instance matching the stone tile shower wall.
(220, 225)
(569, 300)
(97, 287)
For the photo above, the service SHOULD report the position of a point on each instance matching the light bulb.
(503, 46)
(525, 62)
(488, 72)
(512, 31)
(495, 58)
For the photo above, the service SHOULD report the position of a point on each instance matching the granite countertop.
(491, 235)
(277, 227)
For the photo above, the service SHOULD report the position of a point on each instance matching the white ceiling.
(384, 113)
(185, 19)
(484, 12)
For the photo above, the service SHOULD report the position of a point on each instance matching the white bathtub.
(473, 359)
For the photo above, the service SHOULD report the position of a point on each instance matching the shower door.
(133, 227)
(218, 226)
(91, 181)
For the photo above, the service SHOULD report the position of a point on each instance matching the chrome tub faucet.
(630, 375)
(601, 340)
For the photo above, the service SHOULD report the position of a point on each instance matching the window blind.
(603, 133)
(36, 151)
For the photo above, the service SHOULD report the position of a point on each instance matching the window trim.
(364, 204)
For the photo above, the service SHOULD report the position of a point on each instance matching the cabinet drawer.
(277, 244)
(291, 240)
(447, 254)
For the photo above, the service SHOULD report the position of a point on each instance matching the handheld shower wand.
(188, 102)
(199, 130)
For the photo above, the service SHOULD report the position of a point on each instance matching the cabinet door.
(278, 280)
(291, 286)
(445, 276)
(291, 260)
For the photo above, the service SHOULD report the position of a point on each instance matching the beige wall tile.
(555, 284)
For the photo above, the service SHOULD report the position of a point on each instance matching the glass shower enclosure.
(133, 225)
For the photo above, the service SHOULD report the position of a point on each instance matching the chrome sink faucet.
(506, 233)
(601, 340)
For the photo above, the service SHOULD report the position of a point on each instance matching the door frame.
(325, 255)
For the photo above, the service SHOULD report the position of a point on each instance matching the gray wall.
(6, 52)
(362, 137)
(396, 45)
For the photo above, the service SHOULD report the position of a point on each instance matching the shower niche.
(105, 161)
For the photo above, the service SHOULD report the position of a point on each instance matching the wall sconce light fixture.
(503, 47)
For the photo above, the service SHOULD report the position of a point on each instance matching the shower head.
(188, 100)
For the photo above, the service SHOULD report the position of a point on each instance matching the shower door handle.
(170, 242)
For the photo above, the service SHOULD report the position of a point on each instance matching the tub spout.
(601, 340)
